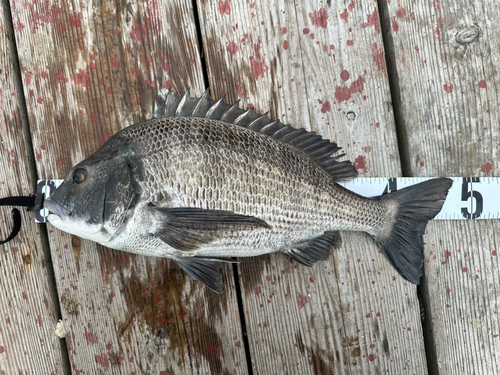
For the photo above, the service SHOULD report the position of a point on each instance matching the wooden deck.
(405, 87)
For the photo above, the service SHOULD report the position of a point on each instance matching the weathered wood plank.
(446, 68)
(28, 311)
(91, 68)
(321, 66)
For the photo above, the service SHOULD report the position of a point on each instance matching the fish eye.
(79, 175)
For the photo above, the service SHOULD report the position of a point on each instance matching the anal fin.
(204, 270)
(310, 252)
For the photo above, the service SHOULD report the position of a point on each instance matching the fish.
(205, 183)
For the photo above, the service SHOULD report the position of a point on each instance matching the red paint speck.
(18, 25)
(257, 67)
(464, 269)
(350, 42)
(319, 18)
(343, 93)
(75, 20)
(166, 67)
(344, 15)
(109, 90)
(104, 138)
(448, 87)
(447, 254)
(379, 57)
(486, 168)
(81, 78)
(360, 163)
(301, 300)
(215, 349)
(438, 32)
(345, 75)
(326, 107)
(421, 164)
(283, 30)
(395, 26)
(116, 31)
(373, 21)
(2, 349)
(160, 320)
(90, 337)
(138, 32)
(285, 45)
(39, 100)
(372, 357)
(232, 48)
(168, 84)
(401, 12)
(494, 253)
(305, 31)
(224, 7)
(482, 84)
(102, 360)
(258, 291)
(94, 117)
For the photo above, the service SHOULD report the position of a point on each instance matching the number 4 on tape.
(468, 198)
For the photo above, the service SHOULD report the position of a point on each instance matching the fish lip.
(56, 208)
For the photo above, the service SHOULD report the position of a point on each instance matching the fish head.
(94, 200)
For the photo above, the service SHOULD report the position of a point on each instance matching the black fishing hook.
(33, 202)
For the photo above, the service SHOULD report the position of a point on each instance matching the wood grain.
(445, 60)
(89, 69)
(321, 66)
(28, 308)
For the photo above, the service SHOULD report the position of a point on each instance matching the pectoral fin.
(187, 228)
(310, 252)
(204, 270)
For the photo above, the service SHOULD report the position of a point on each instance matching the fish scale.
(205, 182)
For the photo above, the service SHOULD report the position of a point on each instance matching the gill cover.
(119, 193)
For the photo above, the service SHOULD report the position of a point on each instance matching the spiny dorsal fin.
(169, 105)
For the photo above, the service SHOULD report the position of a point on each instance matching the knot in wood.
(27, 259)
(468, 34)
(75, 241)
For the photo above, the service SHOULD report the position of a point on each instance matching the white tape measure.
(469, 197)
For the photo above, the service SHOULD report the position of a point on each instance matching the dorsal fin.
(168, 104)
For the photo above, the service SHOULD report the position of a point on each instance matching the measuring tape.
(470, 198)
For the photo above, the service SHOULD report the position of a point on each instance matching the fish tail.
(401, 240)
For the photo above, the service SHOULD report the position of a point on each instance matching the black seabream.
(205, 182)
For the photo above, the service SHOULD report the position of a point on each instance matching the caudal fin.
(403, 245)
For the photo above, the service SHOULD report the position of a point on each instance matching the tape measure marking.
(470, 198)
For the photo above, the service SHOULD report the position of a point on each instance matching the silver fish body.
(202, 191)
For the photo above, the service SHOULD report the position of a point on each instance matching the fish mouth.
(58, 211)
